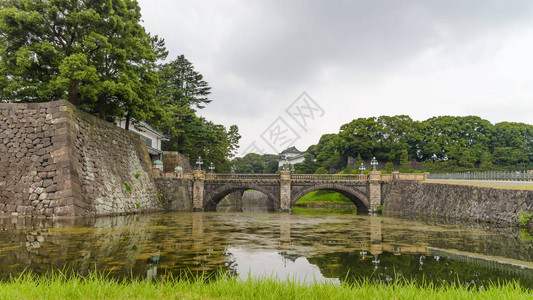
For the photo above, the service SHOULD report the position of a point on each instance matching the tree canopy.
(444, 143)
(96, 54)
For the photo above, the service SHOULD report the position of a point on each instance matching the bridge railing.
(210, 176)
(489, 175)
(329, 177)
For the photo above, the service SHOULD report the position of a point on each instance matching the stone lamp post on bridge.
(362, 168)
(374, 163)
(374, 179)
(211, 168)
(198, 186)
(199, 162)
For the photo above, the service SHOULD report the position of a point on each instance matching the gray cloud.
(260, 55)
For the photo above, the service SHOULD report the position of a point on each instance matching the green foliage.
(138, 205)
(182, 91)
(256, 163)
(405, 165)
(525, 236)
(525, 218)
(321, 170)
(389, 167)
(442, 144)
(308, 166)
(160, 198)
(128, 186)
(95, 54)
(138, 175)
(380, 209)
(349, 170)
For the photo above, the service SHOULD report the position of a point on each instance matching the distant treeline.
(439, 144)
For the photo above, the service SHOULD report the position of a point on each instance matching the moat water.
(307, 244)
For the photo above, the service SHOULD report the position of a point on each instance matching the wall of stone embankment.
(494, 205)
(56, 160)
(176, 193)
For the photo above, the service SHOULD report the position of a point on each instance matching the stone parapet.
(494, 205)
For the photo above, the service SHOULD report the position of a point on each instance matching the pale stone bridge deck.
(285, 189)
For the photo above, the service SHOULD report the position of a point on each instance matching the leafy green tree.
(182, 90)
(485, 161)
(271, 163)
(308, 166)
(389, 167)
(321, 170)
(182, 86)
(206, 139)
(266, 163)
(349, 170)
(405, 165)
(95, 54)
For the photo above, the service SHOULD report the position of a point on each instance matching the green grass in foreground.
(98, 287)
(324, 197)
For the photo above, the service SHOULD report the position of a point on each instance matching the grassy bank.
(96, 287)
(323, 197)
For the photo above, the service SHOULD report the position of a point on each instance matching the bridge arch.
(358, 198)
(213, 197)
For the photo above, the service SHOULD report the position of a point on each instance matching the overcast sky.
(353, 59)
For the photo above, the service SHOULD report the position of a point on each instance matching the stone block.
(52, 188)
(64, 211)
(49, 212)
(47, 182)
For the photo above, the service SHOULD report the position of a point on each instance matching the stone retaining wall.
(56, 160)
(473, 203)
(175, 193)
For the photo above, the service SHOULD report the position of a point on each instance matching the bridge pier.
(198, 190)
(285, 190)
(374, 179)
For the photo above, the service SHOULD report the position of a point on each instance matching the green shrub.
(128, 186)
(321, 170)
(389, 167)
(525, 218)
(349, 170)
(137, 205)
(137, 175)
(380, 209)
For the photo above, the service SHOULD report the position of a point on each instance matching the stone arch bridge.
(285, 189)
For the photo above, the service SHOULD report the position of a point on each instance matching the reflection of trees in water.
(353, 266)
(120, 246)
(158, 244)
(483, 238)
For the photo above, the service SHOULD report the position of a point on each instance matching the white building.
(153, 137)
(291, 156)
